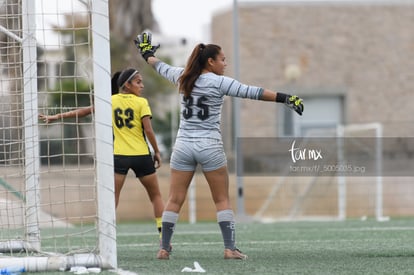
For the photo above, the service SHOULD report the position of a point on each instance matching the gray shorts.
(209, 153)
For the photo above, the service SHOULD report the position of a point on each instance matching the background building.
(350, 61)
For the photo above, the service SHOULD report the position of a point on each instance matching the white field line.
(264, 242)
(178, 232)
(242, 242)
(362, 229)
(217, 232)
(208, 232)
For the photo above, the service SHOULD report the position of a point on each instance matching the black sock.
(169, 219)
(226, 222)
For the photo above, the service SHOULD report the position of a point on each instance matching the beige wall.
(77, 189)
(321, 200)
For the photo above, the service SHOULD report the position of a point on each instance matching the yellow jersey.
(128, 131)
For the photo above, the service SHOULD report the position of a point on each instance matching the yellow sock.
(158, 221)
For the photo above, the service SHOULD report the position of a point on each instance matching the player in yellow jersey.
(131, 122)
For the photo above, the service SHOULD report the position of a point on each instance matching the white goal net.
(56, 180)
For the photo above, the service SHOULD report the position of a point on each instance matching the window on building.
(321, 115)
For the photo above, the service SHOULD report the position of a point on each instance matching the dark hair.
(120, 78)
(114, 82)
(196, 62)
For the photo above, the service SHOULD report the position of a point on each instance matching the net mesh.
(67, 203)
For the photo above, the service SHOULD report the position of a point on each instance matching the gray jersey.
(200, 114)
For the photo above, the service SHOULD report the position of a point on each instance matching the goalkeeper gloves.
(292, 101)
(143, 43)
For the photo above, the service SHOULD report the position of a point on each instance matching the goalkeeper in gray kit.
(202, 87)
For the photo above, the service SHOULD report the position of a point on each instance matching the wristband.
(281, 97)
(147, 55)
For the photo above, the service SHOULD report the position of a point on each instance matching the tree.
(127, 19)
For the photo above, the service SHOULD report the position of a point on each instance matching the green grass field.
(351, 247)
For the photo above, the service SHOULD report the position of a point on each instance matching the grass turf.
(350, 247)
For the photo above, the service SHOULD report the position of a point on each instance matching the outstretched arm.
(232, 87)
(81, 112)
(269, 95)
(147, 50)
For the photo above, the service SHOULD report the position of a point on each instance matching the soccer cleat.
(235, 254)
(163, 254)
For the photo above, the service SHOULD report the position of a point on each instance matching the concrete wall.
(363, 51)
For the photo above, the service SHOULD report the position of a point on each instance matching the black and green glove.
(143, 43)
(292, 101)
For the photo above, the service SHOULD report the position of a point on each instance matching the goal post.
(57, 207)
(103, 132)
(346, 181)
(374, 130)
(31, 136)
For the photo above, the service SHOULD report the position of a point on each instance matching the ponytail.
(196, 63)
(114, 82)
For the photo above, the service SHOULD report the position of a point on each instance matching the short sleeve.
(145, 110)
